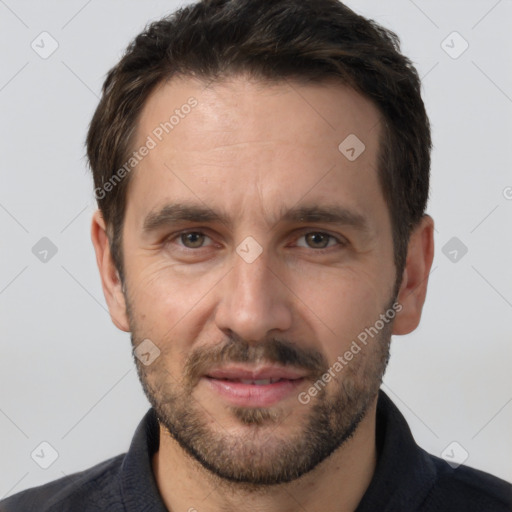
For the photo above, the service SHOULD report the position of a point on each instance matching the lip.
(233, 372)
(225, 382)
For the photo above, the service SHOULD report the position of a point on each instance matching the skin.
(254, 150)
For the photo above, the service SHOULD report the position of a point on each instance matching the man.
(262, 173)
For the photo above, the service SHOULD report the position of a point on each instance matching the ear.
(110, 281)
(413, 289)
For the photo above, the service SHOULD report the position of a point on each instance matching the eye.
(318, 240)
(192, 239)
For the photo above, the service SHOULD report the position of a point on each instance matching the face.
(258, 256)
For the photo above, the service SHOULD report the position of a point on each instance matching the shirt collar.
(404, 473)
(138, 484)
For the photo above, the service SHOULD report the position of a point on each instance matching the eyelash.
(339, 242)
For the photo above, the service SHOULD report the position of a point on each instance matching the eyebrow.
(326, 214)
(179, 212)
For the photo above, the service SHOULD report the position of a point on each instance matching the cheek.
(340, 305)
(170, 305)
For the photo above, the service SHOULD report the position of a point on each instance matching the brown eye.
(192, 240)
(317, 240)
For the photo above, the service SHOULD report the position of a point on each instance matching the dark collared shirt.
(406, 478)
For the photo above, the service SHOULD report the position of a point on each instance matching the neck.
(336, 484)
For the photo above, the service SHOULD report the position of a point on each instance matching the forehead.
(327, 110)
(228, 140)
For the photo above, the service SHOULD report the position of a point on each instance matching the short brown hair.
(303, 40)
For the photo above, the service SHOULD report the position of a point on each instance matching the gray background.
(66, 373)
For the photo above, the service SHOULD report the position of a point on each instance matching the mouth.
(254, 387)
(254, 382)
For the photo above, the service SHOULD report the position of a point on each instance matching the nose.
(255, 302)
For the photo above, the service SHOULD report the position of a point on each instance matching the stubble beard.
(260, 454)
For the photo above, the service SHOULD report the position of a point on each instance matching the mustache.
(238, 350)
